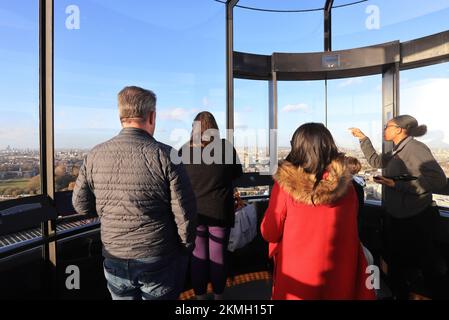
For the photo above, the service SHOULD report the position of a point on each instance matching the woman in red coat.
(311, 223)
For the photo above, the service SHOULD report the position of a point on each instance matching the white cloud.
(300, 107)
(179, 114)
(428, 101)
(195, 111)
(349, 82)
(206, 102)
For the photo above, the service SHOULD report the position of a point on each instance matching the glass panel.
(19, 102)
(357, 102)
(380, 21)
(298, 102)
(268, 32)
(283, 5)
(251, 124)
(175, 48)
(424, 95)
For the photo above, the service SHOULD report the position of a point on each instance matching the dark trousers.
(415, 263)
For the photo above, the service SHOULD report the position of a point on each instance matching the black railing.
(28, 235)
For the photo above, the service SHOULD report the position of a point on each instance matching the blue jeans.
(153, 278)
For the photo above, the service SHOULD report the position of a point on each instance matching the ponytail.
(417, 131)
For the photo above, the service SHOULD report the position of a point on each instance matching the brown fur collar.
(299, 185)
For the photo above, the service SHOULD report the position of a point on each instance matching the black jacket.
(145, 202)
(212, 183)
(360, 195)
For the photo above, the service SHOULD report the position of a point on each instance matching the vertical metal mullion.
(327, 46)
(390, 102)
(273, 122)
(390, 94)
(396, 90)
(325, 102)
(46, 139)
(230, 69)
(390, 109)
(328, 25)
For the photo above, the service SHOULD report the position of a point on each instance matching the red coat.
(316, 248)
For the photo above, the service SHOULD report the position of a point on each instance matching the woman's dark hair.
(313, 149)
(410, 125)
(203, 121)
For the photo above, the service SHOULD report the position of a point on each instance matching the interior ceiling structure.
(292, 6)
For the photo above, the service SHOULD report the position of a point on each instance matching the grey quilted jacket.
(145, 202)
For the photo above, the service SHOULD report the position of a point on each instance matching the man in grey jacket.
(145, 203)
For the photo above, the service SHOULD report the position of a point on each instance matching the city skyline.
(19, 172)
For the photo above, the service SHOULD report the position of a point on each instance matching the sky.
(177, 49)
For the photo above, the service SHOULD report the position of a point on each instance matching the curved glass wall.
(19, 102)
(378, 21)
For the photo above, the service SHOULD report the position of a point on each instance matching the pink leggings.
(209, 259)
